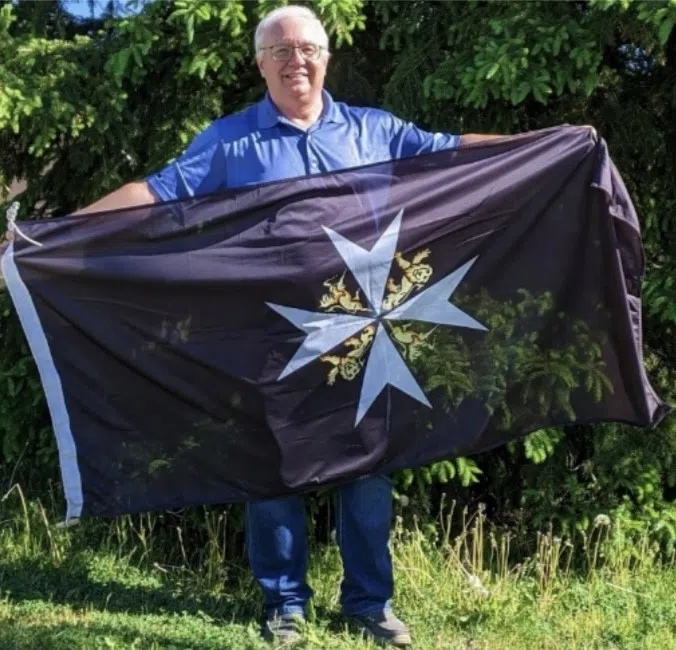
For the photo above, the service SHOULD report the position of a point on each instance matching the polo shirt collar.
(269, 115)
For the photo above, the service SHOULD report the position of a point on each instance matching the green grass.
(127, 587)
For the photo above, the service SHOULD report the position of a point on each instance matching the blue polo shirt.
(259, 145)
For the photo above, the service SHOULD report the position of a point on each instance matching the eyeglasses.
(309, 51)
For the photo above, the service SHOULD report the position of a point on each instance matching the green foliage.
(521, 54)
(111, 100)
(540, 445)
(517, 380)
(342, 17)
(464, 470)
(25, 431)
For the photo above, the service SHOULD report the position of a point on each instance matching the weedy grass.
(137, 583)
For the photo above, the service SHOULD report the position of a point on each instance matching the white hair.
(290, 11)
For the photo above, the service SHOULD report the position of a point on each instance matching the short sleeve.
(200, 169)
(408, 140)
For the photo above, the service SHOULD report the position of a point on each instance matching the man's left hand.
(592, 131)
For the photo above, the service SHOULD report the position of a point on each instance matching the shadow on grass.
(72, 584)
(73, 636)
(34, 582)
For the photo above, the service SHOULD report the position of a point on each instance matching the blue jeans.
(277, 547)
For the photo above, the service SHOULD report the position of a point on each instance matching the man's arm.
(191, 173)
(127, 196)
(471, 138)
(408, 140)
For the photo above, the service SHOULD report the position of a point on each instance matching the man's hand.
(592, 131)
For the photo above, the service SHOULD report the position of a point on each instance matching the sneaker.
(284, 629)
(385, 628)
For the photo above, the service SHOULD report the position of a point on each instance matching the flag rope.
(11, 215)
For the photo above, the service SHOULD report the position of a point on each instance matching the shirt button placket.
(312, 158)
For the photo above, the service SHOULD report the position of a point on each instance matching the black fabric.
(159, 322)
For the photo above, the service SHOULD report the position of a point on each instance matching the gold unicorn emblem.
(349, 366)
(339, 297)
(415, 276)
(413, 343)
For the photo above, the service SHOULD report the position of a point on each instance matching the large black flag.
(276, 338)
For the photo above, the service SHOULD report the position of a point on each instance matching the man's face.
(297, 78)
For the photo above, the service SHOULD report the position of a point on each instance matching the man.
(296, 130)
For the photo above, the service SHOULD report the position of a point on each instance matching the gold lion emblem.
(349, 366)
(415, 275)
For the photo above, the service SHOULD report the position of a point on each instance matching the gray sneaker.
(385, 628)
(284, 629)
